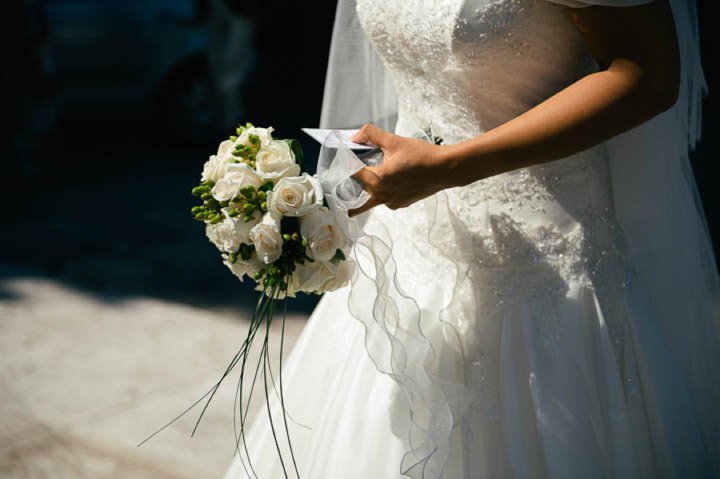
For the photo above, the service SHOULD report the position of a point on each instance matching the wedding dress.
(521, 326)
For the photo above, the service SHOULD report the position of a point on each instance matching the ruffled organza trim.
(409, 343)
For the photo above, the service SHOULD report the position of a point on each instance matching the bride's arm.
(636, 48)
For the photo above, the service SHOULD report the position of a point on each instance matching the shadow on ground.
(113, 217)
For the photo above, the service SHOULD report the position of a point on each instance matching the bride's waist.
(537, 238)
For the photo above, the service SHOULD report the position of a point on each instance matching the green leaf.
(297, 152)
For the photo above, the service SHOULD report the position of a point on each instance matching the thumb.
(372, 134)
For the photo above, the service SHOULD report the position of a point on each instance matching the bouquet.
(286, 230)
(268, 217)
(272, 222)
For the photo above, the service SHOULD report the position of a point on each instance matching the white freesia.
(312, 277)
(343, 274)
(216, 167)
(226, 235)
(243, 267)
(265, 135)
(322, 233)
(267, 238)
(276, 161)
(238, 175)
(225, 150)
(213, 169)
(295, 195)
(241, 227)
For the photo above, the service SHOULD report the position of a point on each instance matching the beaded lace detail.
(463, 68)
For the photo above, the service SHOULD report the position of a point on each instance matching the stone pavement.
(84, 377)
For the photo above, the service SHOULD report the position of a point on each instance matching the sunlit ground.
(84, 378)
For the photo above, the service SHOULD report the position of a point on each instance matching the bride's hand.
(411, 170)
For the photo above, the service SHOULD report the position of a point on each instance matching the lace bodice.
(467, 66)
(464, 67)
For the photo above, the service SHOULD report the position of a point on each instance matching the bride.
(537, 297)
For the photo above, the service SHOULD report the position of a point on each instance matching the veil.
(656, 203)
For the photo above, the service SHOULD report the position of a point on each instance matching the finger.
(369, 204)
(372, 134)
(367, 176)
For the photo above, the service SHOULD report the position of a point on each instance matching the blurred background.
(115, 312)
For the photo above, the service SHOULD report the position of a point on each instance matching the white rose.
(322, 233)
(295, 195)
(343, 274)
(276, 161)
(242, 267)
(226, 235)
(267, 239)
(238, 175)
(312, 277)
(265, 135)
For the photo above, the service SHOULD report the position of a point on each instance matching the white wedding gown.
(539, 355)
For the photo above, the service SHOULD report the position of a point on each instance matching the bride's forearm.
(588, 112)
(632, 89)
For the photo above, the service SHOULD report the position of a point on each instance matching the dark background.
(110, 107)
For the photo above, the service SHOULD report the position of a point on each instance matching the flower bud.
(295, 236)
(248, 191)
(286, 237)
(262, 196)
(249, 208)
(263, 206)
